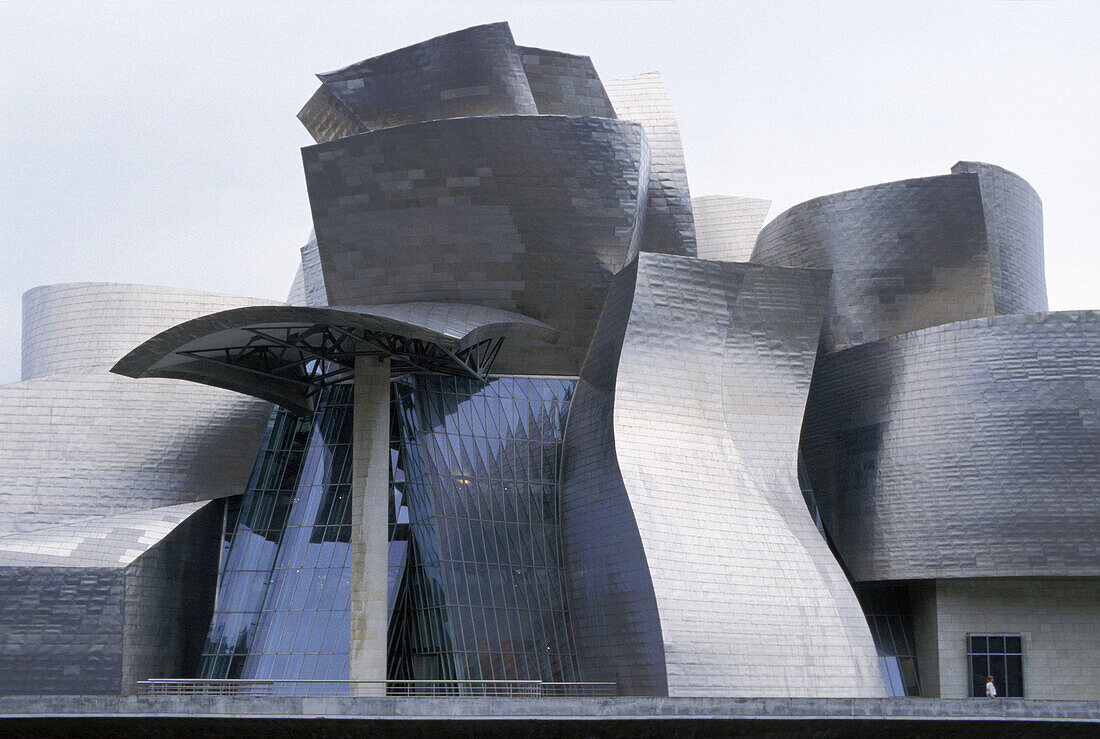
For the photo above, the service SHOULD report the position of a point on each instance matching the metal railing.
(377, 688)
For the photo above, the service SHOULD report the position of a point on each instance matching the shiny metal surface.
(77, 442)
(530, 214)
(99, 619)
(670, 228)
(726, 227)
(916, 253)
(694, 565)
(472, 72)
(964, 450)
(88, 326)
(284, 353)
(564, 84)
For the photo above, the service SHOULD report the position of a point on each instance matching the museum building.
(531, 415)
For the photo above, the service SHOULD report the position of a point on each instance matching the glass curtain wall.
(476, 582)
(890, 615)
(482, 596)
(283, 592)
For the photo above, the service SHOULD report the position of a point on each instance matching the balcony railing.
(377, 688)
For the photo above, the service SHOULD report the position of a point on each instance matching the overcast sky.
(157, 143)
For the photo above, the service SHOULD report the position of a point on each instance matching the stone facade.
(1058, 618)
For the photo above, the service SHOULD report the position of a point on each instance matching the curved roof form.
(726, 226)
(670, 227)
(531, 214)
(87, 326)
(285, 353)
(931, 451)
(475, 71)
(917, 253)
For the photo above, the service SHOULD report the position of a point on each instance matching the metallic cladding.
(964, 450)
(473, 72)
(80, 628)
(916, 253)
(531, 214)
(1014, 230)
(101, 445)
(88, 326)
(726, 227)
(695, 568)
(670, 227)
(565, 84)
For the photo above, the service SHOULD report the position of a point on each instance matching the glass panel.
(481, 445)
(979, 671)
(978, 645)
(1013, 644)
(1014, 680)
(284, 593)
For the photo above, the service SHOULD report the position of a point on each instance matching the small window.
(1000, 656)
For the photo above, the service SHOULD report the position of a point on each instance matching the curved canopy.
(285, 353)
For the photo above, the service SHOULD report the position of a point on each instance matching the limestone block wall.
(1058, 618)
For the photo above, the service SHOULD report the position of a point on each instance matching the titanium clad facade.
(695, 567)
(916, 253)
(564, 84)
(94, 607)
(473, 72)
(670, 228)
(440, 498)
(88, 326)
(726, 227)
(309, 283)
(487, 229)
(980, 436)
(1014, 230)
(109, 445)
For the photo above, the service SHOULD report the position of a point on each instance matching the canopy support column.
(370, 518)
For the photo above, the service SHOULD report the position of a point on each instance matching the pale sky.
(157, 142)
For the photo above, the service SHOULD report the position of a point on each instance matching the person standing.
(990, 688)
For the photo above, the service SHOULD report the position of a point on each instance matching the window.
(999, 655)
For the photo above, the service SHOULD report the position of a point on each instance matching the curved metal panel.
(309, 284)
(916, 253)
(473, 72)
(726, 227)
(565, 84)
(75, 446)
(110, 541)
(669, 225)
(695, 567)
(965, 450)
(531, 214)
(233, 349)
(88, 326)
(1014, 229)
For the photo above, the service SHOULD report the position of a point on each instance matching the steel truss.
(319, 355)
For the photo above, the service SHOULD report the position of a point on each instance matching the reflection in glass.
(284, 585)
(890, 618)
(483, 592)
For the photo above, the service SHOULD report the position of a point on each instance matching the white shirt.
(990, 690)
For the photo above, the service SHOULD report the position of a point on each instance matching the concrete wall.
(1059, 619)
